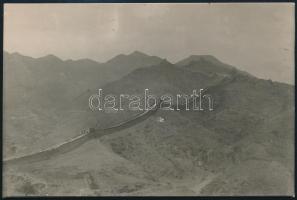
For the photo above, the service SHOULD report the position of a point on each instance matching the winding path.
(79, 140)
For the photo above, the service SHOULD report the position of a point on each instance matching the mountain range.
(245, 146)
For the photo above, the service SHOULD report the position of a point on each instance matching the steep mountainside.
(39, 95)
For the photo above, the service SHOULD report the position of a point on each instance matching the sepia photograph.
(148, 99)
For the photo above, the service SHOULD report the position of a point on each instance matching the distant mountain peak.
(51, 57)
(197, 58)
(208, 64)
(87, 60)
(135, 58)
(15, 55)
(203, 59)
(138, 53)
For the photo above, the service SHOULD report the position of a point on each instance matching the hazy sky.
(258, 38)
